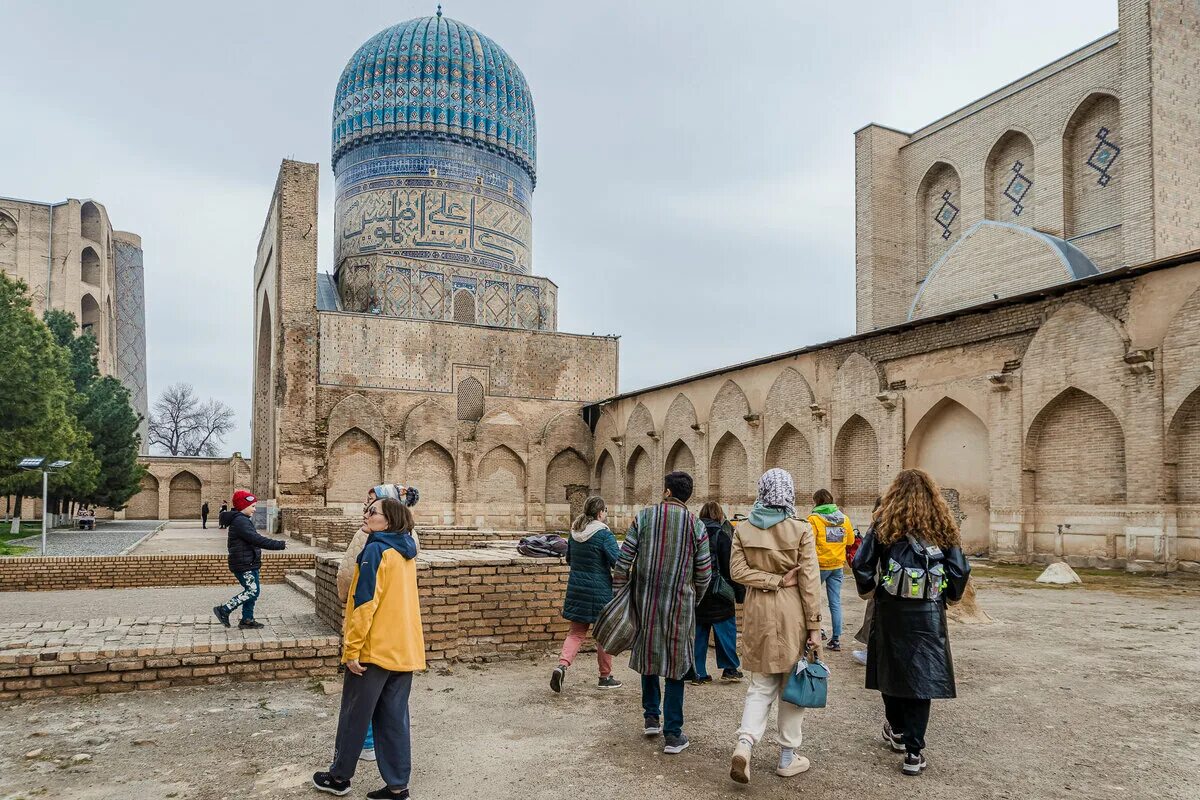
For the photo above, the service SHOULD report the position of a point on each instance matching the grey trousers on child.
(378, 696)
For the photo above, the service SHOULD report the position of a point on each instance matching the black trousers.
(908, 716)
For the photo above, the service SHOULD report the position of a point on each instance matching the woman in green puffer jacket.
(591, 552)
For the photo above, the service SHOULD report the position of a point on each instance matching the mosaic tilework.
(131, 325)
(435, 76)
(404, 288)
(1017, 188)
(946, 214)
(432, 219)
(1104, 156)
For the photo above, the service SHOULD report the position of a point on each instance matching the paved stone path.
(83, 604)
(186, 536)
(110, 538)
(86, 640)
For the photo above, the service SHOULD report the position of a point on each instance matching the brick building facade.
(1005, 343)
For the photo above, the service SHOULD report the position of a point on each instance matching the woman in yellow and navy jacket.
(833, 533)
(382, 647)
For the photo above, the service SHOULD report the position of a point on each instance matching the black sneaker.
(673, 745)
(556, 678)
(700, 681)
(609, 682)
(834, 645)
(732, 675)
(653, 726)
(913, 764)
(222, 615)
(250, 623)
(325, 782)
(385, 792)
(893, 739)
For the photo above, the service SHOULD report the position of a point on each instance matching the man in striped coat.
(666, 555)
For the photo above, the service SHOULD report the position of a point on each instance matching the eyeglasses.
(368, 511)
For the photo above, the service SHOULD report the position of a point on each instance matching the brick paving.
(115, 654)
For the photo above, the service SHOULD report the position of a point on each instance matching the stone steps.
(303, 581)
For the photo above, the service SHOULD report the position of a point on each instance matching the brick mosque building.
(431, 355)
(1028, 315)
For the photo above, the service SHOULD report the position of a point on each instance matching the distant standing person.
(222, 518)
(591, 553)
(914, 548)
(717, 615)
(204, 515)
(245, 559)
(833, 532)
(666, 550)
(775, 558)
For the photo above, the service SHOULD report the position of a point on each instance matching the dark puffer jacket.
(712, 608)
(589, 586)
(909, 650)
(246, 544)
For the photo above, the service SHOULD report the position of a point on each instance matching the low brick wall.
(38, 574)
(336, 531)
(475, 604)
(289, 518)
(30, 674)
(462, 539)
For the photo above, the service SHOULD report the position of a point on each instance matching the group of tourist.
(685, 574)
(689, 572)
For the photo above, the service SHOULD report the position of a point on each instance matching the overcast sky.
(695, 159)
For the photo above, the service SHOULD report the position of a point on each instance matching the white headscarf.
(775, 488)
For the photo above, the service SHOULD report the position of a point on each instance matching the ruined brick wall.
(52, 573)
(474, 604)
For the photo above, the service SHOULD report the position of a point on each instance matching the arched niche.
(951, 443)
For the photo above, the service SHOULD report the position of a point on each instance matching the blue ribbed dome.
(435, 77)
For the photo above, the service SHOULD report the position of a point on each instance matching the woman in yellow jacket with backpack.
(833, 533)
(382, 647)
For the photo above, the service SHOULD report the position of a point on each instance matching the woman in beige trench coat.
(775, 558)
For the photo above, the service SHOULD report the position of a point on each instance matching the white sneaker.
(368, 754)
(798, 764)
(739, 765)
(860, 656)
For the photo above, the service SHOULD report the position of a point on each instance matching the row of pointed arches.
(185, 495)
(356, 462)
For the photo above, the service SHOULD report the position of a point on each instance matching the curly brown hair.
(914, 504)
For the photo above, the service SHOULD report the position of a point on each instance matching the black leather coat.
(909, 650)
(712, 608)
(246, 544)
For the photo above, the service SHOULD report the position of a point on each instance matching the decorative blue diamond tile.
(1018, 187)
(946, 214)
(1104, 156)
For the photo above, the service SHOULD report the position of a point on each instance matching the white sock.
(786, 754)
(746, 740)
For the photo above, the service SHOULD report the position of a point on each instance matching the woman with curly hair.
(912, 562)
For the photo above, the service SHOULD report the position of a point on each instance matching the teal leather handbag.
(808, 683)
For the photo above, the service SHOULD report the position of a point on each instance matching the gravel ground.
(109, 539)
(1076, 693)
(276, 599)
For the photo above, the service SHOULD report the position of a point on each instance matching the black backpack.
(543, 545)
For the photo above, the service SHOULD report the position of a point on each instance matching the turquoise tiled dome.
(436, 78)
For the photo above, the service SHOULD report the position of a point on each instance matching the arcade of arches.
(1066, 424)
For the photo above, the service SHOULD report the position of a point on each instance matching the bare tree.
(181, 425)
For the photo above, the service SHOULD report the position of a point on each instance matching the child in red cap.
(245, 558)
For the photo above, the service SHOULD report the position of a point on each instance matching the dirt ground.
(1071, 693)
